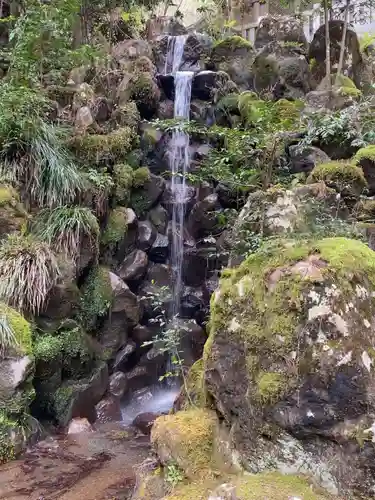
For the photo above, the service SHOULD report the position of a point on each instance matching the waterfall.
(179, 159)
(175, 51)
(179, 163)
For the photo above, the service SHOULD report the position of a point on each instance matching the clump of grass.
(64, 229)
(28, 271)
(8, 338)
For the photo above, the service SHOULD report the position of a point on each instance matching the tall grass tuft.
(28, 271)
(7, 337)
(65, 228)
(32, 151)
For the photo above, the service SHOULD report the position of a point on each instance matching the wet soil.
(98, 465)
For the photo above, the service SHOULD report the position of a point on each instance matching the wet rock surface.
(96, 465)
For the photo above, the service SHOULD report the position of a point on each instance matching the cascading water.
(160, 399)
(179, 163)
(175, 51)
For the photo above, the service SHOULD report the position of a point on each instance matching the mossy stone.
(367, 153)
(344, 177)
(97, 148)
(186, 438)
(116, 227)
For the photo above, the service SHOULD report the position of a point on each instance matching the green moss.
(127, 114)
(7, 427)
(250, 487)
(232, 43)
(350, 92)
(342, 176)
(20, 327)
(344, 81)
(195, 387)
(288, 110)
(116, 228)
(140, 176)
(97, 148)
(123, 178)
(8, 196)
(189, 436)
(271, 386)
(274, 485)
(367, 153)
(97, 296)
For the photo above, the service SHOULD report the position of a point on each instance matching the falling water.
(179, 159)
(175, 51)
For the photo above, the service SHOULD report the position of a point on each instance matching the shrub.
(28, 271)
(64, 228)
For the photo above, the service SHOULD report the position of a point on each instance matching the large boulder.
(127, 50)
(317, 51)
(304, 160)
(78, 398)
(133, 266)
(124, 301)
(289, 360)
(235, 56)
(365, 158)
(285, 29)
(282, 70)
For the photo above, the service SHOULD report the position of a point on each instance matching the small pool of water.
(148, 400)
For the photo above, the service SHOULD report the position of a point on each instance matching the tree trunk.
(343, 43)
(328, 45)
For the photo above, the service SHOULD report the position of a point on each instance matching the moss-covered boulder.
(186, 439)
(234, 55)
(290, 358)
(146, 94)
(13, 216)
(285, 29)
(346, 178)
(96, 148)
(365, 158)
(281, 70)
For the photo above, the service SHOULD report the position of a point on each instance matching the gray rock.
(279, 29)
(131, 49)
(203, 218)
(78, 398)
(108, 410)
(143, 199)
(235, 60)
(282, 70)
(133, 266)
(122, 358)
(142, 333)
(160, 249)
(124, 301)
(118, 384)
(14, 372)
(83, 119)
(165, 110)
(113, 334)
(158, 216)
(306, 159)
(139, 377)
(144, 422)
(146, 235)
